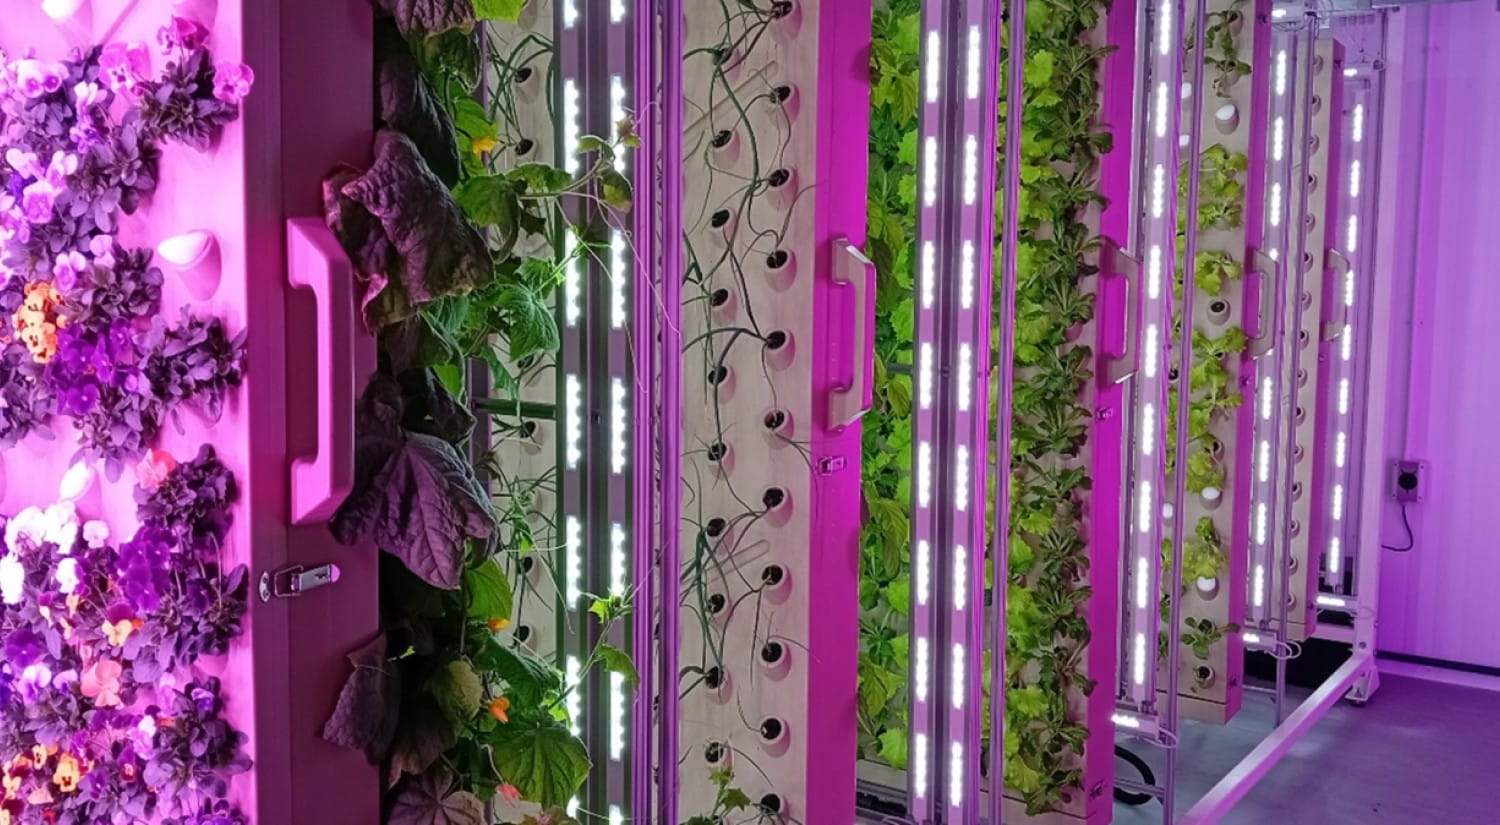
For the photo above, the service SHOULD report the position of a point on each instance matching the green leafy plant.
(1213, 269)
(453, 710)
(1048, 572)
(1223, 54)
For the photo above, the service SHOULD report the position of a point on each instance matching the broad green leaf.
(894, 747)
(615, 189)
(541, 178)
(533, 326)
(529, 679)
(898, 595)
(471, 119)
(457, 691)
(615, 660)
(541, 758)
(507, 10)
(734, 799)
(490, 595)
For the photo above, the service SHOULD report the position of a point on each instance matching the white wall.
(1440, 192)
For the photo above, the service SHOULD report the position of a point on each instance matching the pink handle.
(847, 404)
(1116, 264)
(316, 261)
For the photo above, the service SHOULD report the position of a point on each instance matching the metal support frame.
(1358, 677)
(1005, 364)
(955, 242)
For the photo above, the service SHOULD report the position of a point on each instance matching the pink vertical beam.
(1005, 367)
(673, 95)
(840, 360)
(309, 120)
(644, 528)
(1107, 437)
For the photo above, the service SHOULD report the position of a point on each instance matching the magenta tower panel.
(167, 321)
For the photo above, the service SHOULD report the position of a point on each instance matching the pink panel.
(282, 675)
(843, 358)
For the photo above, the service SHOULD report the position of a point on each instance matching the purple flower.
(35, 78)
(67, 268)
(24, 163)
(232, 82)
(23, 647)
(102, 247)
(182, 34)
(142, 567)
(37, 201)
(123, 67)
(87, 95)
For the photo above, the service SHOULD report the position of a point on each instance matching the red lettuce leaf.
(408, 105)
(401, 226)
(415, 495)
(423, 18)
(424, 736)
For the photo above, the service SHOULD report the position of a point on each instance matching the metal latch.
(828, 465)
(296, 580)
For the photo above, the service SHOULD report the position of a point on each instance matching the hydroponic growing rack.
(1098, 289)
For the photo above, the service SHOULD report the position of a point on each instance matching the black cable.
(1147, 778)
(1411, 540)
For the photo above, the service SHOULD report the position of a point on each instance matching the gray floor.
(1420, 753)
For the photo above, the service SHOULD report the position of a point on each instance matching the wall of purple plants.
(105, 713)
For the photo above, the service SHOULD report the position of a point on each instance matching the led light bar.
(1267, 400)
(1156, 221)
(598, 47)
(1345, 338)
(955, 231)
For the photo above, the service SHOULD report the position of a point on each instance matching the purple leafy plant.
(103, 718)
(81, 332)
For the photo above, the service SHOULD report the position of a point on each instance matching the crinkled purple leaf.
(441, 252)
(424, 736)
(369, 704)
(364, 239)
(423, 18)
(431, 409)
(434, 798)
(414, 495)
(408, 105)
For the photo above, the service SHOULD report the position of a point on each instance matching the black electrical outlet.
(1406, 480)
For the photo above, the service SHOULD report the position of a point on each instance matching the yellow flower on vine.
(481, 145)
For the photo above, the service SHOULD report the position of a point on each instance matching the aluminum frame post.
(1005, 366)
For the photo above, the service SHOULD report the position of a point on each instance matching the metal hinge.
(296, 580)
(828, 465)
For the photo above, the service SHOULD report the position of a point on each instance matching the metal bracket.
(296, 580)
(828, 465)
(1269, 274)
(1116, 262)
(1336, 266)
